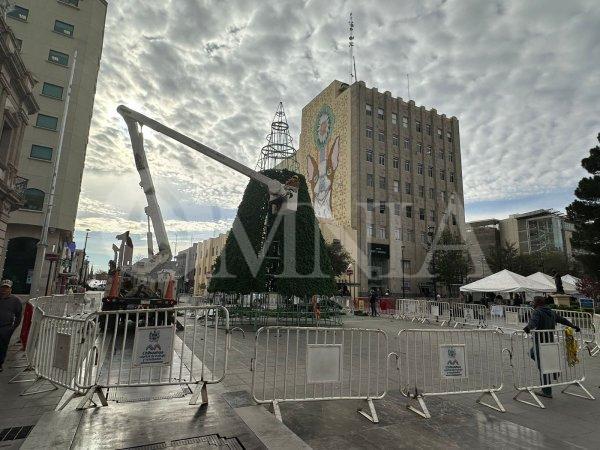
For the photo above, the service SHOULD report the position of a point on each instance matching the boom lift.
(284, 196)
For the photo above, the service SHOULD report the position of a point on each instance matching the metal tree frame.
(279, 153)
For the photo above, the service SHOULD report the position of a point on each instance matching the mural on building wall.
(321, 173)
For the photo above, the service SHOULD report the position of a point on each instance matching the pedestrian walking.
(373, 298)
(10, 316)
(544, 318)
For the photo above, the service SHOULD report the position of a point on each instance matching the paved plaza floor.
(233, 420)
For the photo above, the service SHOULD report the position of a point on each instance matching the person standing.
(373, 300)
(544, 319)
(10, 317)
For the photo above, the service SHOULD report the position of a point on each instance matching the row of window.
(403, 234)
(407, 168)
(20, 13)
(395, 140)
(441, 154)
(418, 125)
(408, 210)
(407, 187)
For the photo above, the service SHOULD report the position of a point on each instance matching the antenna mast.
(351, 62)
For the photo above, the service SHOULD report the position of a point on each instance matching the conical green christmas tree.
(251, 259)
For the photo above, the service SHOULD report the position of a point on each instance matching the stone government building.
(382, 173)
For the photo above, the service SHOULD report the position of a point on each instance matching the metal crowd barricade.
(583, 320)
(594, 347)
(515, 318)
(468, 314)
(436, 312)
(545, 360)
(297, 364)
(450, 362)
(411, 309)
(346, 303)
(140, 348)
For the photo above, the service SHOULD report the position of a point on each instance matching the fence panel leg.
(89, 397)
(36, 382)
(423, 412)
(537, 404)
(498, 406)
(199, 391)
(587, 395)
(373, 416)
(277, 411)
(27, 368)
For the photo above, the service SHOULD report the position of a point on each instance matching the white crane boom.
(132, 118)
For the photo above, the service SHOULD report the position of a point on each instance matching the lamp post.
(431, 234)
(87, 232)
(402, 263)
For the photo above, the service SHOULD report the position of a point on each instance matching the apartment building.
(186, 269)
(17, 102)
(206, 255)
(385, 178)
(49, 33)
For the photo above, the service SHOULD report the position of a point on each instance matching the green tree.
(450, 262)
(585, 215)
(339, 256)
(504, 257)
(303, 270)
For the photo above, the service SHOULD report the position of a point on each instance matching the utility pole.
(43, 242)
(402, 263)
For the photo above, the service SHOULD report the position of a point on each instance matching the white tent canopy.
(506, 281)
(547, 280)
(570, 279)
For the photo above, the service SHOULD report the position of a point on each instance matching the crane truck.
(134, 279)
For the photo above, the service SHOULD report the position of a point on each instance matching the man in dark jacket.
(10, 316)
(544, 318)
(373, 298)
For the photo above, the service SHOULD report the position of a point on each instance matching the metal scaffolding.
(279, 153)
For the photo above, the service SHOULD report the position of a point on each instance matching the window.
(370, 230)
(64, 28)
(440, 154)
(18, 12)
(381, 137)
(448, 136)
(397, 209)
(394, 118)
(410, 235)
(58, 58)
(453, 219)
(428, 129)
(370, 132)
(52, 90)
(421, 191)
(429, 150)
(431, 193)
(419, 148)
(395, 140)
(396, 186)
(407, 188)
(41, 152)
(418, 126)
(369, 155)
(380, 113)
(406, 266)
(48, 122)
(406, 144)
(370, 181)
(430, 171)
(369, 110)
(70, 2)
(442, 174)
(382, 207)
(451, 156)
(34, 199)
(405, 122)
(421, 213)
(397, 234)
(408, 211)
(423, 237)
(451, 177)
(396, 162)
(443, 196)
(382, 159)
(406, 165)
(382, 233)
(370, 204)
(432, 215)
(439, 133)
(420, 168)
(382, 183)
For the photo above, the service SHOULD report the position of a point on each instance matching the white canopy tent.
(547, 280)
(570, 279)
(506, 281)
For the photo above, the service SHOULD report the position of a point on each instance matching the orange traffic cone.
(114, 287)
(170, 288)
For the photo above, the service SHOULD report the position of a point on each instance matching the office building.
(206, 255)
(384, 175)
(49, 33)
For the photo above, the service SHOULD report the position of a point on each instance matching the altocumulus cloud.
(521, 76)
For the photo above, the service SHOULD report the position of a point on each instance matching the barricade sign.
(546, 359)
(153, 346)
(437, 312)
(411, 309)
(450, 362)
(468, 314)
(296, 364)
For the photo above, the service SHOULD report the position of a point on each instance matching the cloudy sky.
(521, 76)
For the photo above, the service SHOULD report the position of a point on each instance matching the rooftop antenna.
(352, 62)
(279, 153)
(408, 85)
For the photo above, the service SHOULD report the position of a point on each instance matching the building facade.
(186, 269)
(17, 102)
(49, 34)
(206, 255)
(385, 179)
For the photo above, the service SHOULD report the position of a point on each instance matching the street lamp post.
(431, 234)
(402, 265)
(87, 232)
